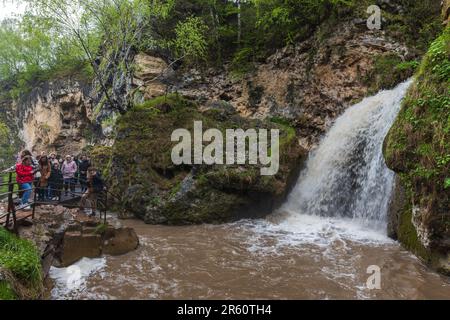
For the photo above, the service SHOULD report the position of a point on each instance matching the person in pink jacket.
(68, 169)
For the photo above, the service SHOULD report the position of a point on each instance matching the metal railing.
(10, 219)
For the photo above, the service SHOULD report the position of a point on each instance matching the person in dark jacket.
(95, 188)
(83, 168)
(55, 182)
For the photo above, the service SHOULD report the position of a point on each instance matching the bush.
(22, 259)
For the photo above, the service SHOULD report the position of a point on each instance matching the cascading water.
(346, 176)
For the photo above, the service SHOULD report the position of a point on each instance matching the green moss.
(407, 235)
(100, 158)
(173, 100)
(6, 292)
(142, 170)
(388, 71)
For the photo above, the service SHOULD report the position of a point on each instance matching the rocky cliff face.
(310, 83)
(55, 116)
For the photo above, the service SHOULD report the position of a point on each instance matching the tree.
(106, 31)
(190, 39)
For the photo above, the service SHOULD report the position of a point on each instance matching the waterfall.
(346, 176)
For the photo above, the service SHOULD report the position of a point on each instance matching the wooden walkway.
(12, 212)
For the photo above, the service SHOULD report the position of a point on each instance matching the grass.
(21, 258)
(6, 291)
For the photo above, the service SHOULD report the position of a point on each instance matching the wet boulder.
(92, 239)
(118, 241)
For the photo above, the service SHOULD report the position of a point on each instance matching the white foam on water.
(70, 281)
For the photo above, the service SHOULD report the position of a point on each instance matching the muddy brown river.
(326, 259)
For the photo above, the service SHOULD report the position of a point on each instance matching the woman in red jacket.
(25, 177)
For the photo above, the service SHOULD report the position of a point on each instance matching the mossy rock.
(418, 149)
(146, 182)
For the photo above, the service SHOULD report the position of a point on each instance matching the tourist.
(52, 157)
(95, 188)
(34, 164)
(84, 166)
(68, 169)
(24, 177)
(45, 170)
(55, 182)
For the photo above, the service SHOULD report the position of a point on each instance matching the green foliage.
(418, 25)
(190, 41)
(62, 37)
(4, 178)
(31, 52)
(407, 65)
(439, 56)
(447, 183)
(242, 61)
(6, 148)
(21, 258)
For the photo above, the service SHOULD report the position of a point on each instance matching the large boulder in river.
(77, 245)
(146, 182)
(118, 241)
(91, 239)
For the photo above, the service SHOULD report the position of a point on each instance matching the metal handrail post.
(10, 199)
